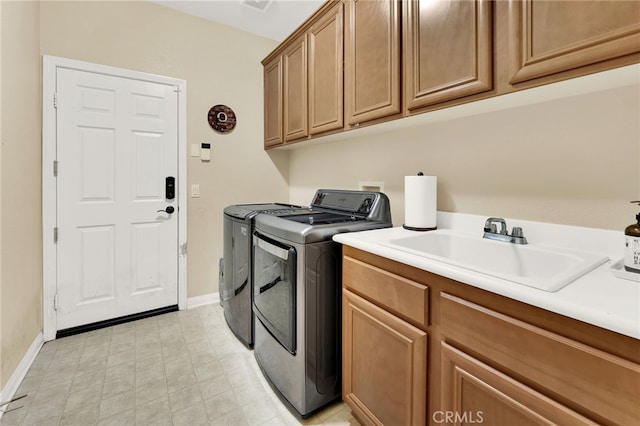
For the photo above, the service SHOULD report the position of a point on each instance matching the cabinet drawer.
(407, 299)
(599, 384)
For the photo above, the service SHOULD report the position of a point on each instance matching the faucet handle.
(517, 236)
(490, 225)
(517, 232)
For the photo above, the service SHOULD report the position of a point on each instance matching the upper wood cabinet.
(549, 37)
(303, 80)
(294, 65)
(273, 102)
(372, 60)
(368, 61)
(447, 50)
(326, 53)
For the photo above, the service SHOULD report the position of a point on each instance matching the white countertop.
(597, 298)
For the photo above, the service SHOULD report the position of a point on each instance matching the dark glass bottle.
(632, 245)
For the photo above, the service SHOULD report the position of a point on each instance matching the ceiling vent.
(261, 5)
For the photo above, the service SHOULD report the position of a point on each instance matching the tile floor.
(181, 368)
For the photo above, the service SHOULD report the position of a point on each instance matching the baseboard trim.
(205, 299)
(114, 321)
(10, 389)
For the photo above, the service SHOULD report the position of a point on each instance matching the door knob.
(168, 210)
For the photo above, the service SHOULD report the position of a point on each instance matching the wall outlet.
(371, 186)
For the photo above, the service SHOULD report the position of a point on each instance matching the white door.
(117, 247)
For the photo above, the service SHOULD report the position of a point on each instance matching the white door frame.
(50, 64)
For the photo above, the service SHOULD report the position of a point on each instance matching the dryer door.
(274, 287)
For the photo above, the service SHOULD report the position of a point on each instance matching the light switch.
(195, 190)
(195, 150)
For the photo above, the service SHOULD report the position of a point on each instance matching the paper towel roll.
(420, 202)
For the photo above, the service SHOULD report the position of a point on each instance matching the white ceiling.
(279, 19)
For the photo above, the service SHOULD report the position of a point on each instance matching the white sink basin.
(534, 265)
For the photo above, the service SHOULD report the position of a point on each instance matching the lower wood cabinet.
(473, 392)
(605, 387)
(489, 359)
(384, 365)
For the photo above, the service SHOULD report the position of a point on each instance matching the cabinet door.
(548, 37)
(473, 392)
(448, 51)
(384, 365)
(325, 72)
(372, 60)
(273, 103)
(546, 360)
(294, 61)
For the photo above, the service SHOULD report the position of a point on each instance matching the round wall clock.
(222, 119)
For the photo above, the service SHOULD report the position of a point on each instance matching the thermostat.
(205, 152)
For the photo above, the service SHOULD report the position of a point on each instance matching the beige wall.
(21, 243)
(2, 380)
(221, 66)
(572, 161)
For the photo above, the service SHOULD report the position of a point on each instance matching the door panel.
(372, 60)
(326, 90)
(478, 393)
(148, 166)
(549, 37)
(98, 164)
(117, 252)
(384, 364)
(146, 241)
(273, 103)
(448, 53)
(294, 61)
(97, 251)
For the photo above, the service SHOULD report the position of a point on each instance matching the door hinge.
(55, 235)
(55, 100)
(183, 249)
(55, 302)
(55, 168)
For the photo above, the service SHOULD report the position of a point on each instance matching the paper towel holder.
(413, 228)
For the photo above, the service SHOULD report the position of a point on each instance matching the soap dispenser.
(632, 245)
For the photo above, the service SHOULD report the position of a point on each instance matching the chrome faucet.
(491, 231)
